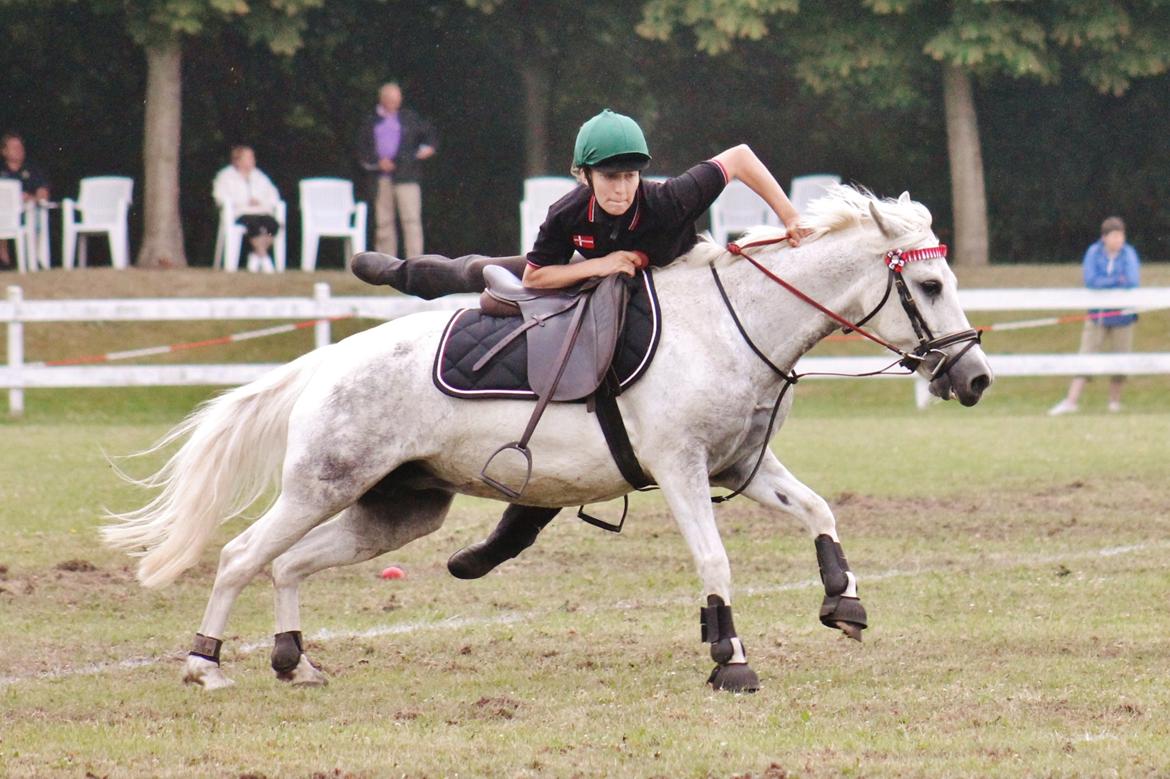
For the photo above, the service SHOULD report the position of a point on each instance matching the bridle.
(896, 260)
(928, 343)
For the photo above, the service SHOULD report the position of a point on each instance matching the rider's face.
(615, 191)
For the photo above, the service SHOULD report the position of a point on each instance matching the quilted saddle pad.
(470, 334)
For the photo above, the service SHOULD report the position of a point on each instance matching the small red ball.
(393, 572)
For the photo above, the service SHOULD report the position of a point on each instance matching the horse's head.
(920, 313)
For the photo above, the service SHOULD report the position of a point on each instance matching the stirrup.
(499, 485)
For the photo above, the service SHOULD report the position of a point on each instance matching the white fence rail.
(17, 376)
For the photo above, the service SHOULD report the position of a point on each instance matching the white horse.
(368, 454)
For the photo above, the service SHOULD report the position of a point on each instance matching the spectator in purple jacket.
(393, 145)
(1110, 263)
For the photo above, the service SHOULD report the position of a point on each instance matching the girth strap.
(613, 427)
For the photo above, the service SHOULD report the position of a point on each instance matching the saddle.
(571, 335)
(584, 320)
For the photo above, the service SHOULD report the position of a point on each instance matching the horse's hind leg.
(383, 520)
(285, 523)
(775, 487)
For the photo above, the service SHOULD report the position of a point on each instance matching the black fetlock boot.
(517, 531)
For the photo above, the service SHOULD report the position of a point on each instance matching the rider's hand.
(386, 165)
(619, 262)
(797, 233)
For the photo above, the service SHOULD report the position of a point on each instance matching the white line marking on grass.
(451, 623)
(326, 635)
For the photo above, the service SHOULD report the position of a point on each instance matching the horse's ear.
(904, 198)
(877, 218)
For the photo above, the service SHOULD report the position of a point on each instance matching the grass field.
(1011, 565)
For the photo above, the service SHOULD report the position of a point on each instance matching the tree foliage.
(857, 97)
(885, 53)
(280, 24)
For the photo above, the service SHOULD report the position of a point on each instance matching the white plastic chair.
(548, 189)
(540, 192)
(328, 210)
(13, 224)
(806, 189)
(230, 237)
(532, 215)
(104, 203)
(736, 210)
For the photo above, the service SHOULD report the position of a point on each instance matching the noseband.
(928, 344)
(896, 260)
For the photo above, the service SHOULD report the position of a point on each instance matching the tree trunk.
(162, 241)
(536, 107)
(968, 197)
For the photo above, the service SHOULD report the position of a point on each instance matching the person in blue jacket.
(1110, 263)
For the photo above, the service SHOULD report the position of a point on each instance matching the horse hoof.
(305, 674)
(204, 673)
(845, 614)
(851, 629)
(737, 677)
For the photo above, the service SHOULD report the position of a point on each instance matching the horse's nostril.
(980, 383)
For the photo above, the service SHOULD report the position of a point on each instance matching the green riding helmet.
(611, 142)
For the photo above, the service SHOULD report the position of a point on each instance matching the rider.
(617, 222)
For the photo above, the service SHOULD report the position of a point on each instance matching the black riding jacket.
(659, 224)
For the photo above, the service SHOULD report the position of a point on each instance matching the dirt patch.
(773, 771)
(77, 566)
(1010, 509)
(496, 708)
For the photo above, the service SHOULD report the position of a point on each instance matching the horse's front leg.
(686, 492)
(775, 487)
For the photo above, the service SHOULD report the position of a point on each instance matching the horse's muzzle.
(966, 377)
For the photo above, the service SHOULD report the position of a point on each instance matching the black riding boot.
(430, 276)
(517, 531)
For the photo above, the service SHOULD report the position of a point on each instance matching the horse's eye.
(932, 288)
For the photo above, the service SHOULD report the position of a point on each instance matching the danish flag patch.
(583, 241)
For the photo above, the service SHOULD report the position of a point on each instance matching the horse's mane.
(841, 208)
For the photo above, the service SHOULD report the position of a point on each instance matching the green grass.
(1012, 566)
(1003, 641)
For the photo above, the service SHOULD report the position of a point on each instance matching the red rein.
(896, 259)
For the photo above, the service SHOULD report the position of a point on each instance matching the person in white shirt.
(253, 197)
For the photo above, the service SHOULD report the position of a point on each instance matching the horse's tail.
(233, 454)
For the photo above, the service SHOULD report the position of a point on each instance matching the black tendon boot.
(429, 276)
(517, 531)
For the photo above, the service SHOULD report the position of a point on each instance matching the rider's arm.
(558, 276)
(741, 163)
(549, 262)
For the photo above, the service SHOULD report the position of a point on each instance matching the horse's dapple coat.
(470, 334)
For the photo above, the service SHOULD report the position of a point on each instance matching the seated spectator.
(1110, 263)
(33, 181)
(253, 196)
